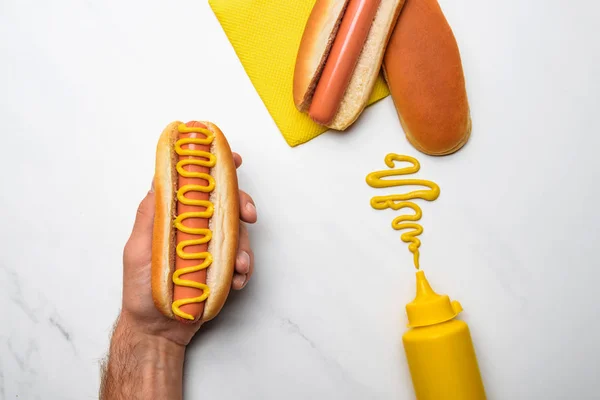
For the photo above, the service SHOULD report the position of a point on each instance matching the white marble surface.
(85, 89)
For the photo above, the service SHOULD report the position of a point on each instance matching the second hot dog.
(340, 57)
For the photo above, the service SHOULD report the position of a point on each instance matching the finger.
(237, 159)
(139, 245)
(244, 266)
(239, 281)
(247, 208)
(242, 262)
(144, 218)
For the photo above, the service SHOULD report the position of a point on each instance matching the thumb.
(138, 248)
(144, 219)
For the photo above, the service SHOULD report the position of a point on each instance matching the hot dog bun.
(423, 69)
(317, 41)
(224, 223)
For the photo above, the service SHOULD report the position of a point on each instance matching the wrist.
(147, 347)
(142, 364)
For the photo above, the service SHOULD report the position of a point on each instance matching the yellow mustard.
(438, 347)
(207, 160)
(398, 201)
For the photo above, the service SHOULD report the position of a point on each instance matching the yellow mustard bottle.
(441, 358)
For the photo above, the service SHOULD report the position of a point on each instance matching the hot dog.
(423, 69)
(340, 56)
(196, 223)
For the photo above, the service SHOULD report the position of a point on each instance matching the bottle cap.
(428, 307)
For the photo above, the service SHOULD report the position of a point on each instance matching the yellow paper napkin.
(265, 35)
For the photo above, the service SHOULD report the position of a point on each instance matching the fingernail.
(240, 280)
(250, 207)
(244, 261)
(152, 186)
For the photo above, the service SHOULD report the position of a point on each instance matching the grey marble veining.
(87, 89)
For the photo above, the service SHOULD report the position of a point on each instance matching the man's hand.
(147, 348)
